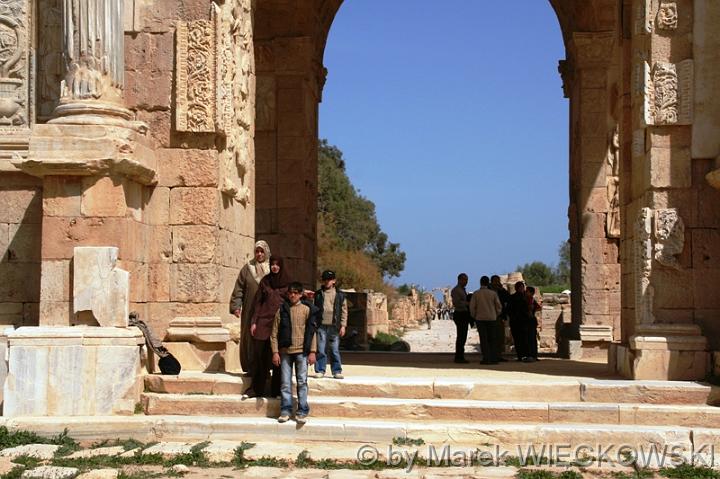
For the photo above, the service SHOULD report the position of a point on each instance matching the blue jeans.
(299, 360)
(328, 333)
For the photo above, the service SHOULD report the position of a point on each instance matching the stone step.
(441, 410)
(363, 431)
(565, 390)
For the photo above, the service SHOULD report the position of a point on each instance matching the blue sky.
(452, 121)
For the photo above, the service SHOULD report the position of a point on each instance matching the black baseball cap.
(327, 274)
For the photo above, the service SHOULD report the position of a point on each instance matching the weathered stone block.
(62, 196)
(670, 168)
(668, 293)
(198, 283)
(702, 278)
(593, 225)
(182, 167)
(148, 90)
(73, 371)
(159, 282)
(20, 205)
(160, 244)
(56, 280)
(195, 244)
(24, 242)
(198, 206)
(149, 51)
(56, 313)
(599, 251)
(601, 276)
(664, 365)
(99, 286)
(103, 197)
(157, 205)
(20, 282)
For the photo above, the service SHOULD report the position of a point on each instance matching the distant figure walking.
(461, 316)
(485, 308)
(429, 315)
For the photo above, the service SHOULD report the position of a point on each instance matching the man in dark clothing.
(461, 316)
(504, 296)
(532, 326)
(517, 311)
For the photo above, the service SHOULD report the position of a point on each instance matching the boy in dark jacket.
(293, 344)
(333, 315)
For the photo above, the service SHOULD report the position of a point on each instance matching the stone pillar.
(594, 179)
(93, 50)
(289, 85)
(669, 279)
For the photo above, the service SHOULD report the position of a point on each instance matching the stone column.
(594, 176)
(289, 85)
(93, 50)
(663, 207)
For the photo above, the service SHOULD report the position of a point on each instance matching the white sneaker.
(300, 418)
(320, 375)
(284, 418)
(338, 376)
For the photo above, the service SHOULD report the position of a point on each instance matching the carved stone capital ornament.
(14, 64)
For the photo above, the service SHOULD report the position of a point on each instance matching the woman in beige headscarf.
(241, 303)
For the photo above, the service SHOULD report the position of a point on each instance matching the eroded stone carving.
(93, 49)
(644, 291)
(668, 93)
(643, 17)
(99, 286)
(14, 69)
(669, 237)
(612, 221)
(196, 75)
(667, 17)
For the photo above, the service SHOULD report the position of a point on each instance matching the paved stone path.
(439, 339)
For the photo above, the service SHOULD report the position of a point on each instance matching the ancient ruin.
(144, 147)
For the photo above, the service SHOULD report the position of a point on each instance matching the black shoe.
(461, 361)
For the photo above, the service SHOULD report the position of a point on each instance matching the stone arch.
(285, 136)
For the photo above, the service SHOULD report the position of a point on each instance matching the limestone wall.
(20, 233)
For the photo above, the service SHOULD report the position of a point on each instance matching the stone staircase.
(450, 410)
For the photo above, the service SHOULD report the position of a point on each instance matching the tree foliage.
(540, 274)
(349, 234)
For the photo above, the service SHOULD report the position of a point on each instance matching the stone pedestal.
(73, 371)
(200, 344)
(596, 339)
(669, 352)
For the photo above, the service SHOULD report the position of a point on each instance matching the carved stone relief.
(668, 93)
(196, 76)
(644, 291)
(612, 221)
(669, 237)
(667, 17)
(14, 63)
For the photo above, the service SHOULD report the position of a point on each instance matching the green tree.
(537, 273)
(348, 219)
(562, 272)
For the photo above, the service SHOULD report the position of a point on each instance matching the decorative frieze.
(14, 64)
(669, 237)
(654, 15)
(668, 93)
(195, 76)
